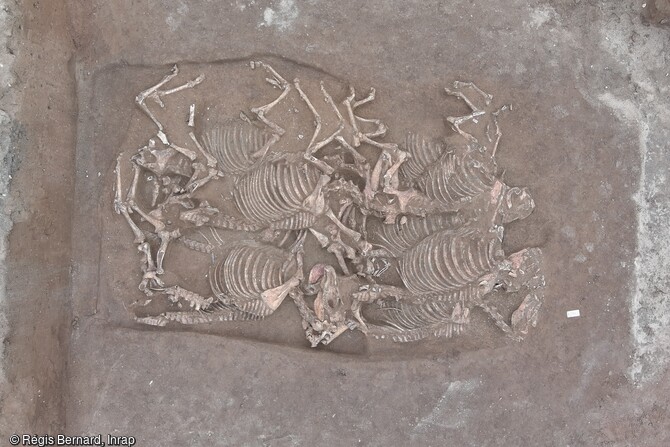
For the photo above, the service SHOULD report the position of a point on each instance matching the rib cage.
(405, 322)
(274, 192)
(456, 179)
(446, 329)
(233, 145)
(447, 261)
(246, 272)
(424, 153)
(397, 238)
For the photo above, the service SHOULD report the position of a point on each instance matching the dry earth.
(589, 134)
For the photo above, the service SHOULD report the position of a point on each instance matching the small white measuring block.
(572, 313)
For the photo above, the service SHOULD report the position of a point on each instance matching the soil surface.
(588, 135)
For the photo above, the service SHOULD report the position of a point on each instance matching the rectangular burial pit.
(109, 265)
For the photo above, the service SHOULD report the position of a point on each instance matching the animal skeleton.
(437, 211)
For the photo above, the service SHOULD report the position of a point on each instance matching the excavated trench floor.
(588, 135)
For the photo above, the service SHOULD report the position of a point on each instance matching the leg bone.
(315, 146)
(155, 93)
(121, 207)
(276, 81)
(456, 121)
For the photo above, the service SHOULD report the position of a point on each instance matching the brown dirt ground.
(76, 363)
